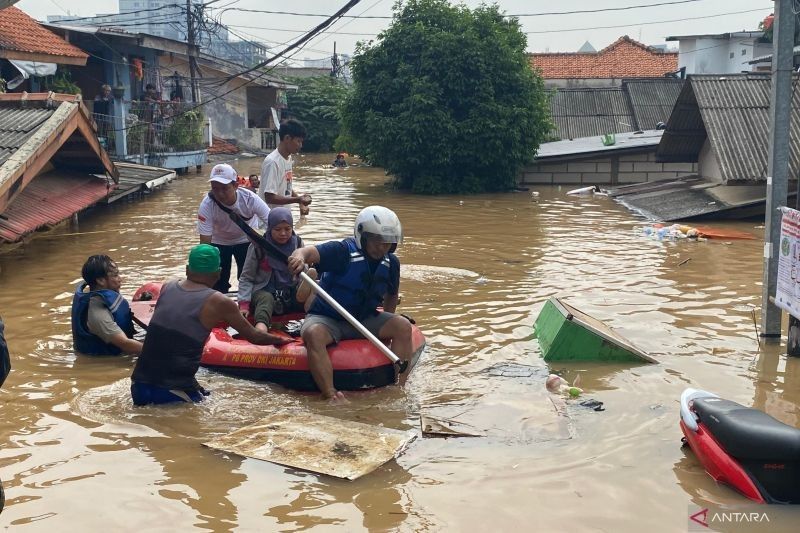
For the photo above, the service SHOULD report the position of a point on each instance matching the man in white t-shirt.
(276, 170)
(216, 227)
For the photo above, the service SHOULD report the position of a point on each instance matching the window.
(731, 56)
(744, 51)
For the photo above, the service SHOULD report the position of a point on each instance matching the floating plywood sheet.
(316, 443)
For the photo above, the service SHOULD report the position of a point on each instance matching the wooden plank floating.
(445, 427)
(316, 443)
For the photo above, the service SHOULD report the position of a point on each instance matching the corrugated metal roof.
(652, 101)
(732, 111)
(586, 112)
(639, 104)
(17, 125)
(48, 200)
(624, 142)
(134, 178)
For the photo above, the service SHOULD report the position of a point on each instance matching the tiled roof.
(221, 146)
(732, 113)
(624, 58)
(21, 34)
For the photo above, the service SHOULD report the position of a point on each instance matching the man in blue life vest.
(5, 360)
(361, 273)
(102, 323)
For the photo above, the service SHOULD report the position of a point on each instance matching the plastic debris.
(558, 385)
(593, 404)
(674, 232)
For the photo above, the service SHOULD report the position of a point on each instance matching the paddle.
(272, 250)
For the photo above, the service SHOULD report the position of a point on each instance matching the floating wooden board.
(444, 427)
(316, 443)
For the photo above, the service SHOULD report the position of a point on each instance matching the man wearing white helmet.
(361, 273)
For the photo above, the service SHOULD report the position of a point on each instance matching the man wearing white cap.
(216, 227)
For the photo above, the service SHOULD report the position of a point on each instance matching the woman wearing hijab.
(266, 287)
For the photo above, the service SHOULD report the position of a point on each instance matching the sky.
(554, 33)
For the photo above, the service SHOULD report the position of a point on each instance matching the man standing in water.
(102, 323)
(276, 170)
(182, 320)
(360, 273)
(216, 227)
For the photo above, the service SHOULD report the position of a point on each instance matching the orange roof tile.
(221, 146)
(624, 58)
(21, 37)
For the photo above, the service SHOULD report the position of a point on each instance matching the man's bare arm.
(121, 341)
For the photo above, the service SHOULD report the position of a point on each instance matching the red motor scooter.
(743, 447)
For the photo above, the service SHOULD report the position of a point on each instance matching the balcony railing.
(155, 127)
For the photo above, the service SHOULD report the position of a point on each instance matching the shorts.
(341, 329)
(145, 394)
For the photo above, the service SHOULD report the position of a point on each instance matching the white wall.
(719, 56)
(707, 165)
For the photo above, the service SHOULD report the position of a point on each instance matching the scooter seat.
(747, 433)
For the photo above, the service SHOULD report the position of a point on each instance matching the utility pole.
(190, 54)
(334, 63)
(778, 167)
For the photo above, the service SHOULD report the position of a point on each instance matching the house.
(624, 58)
(722, 53)
(241, 106)
(174, 133)
(629, 115)
(721, 124)
(638, 104)
(52, 165)
(155, 130)
(28, 50)
(589, 161)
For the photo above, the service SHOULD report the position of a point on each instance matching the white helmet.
(380, 221)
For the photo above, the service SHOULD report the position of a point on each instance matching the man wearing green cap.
(182, 320)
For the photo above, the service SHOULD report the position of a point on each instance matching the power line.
(166, 6)
(543, 14)
(649, 23)
(298, 45)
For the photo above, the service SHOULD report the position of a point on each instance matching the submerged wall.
(616, 169)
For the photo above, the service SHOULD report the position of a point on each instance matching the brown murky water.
(75, 455)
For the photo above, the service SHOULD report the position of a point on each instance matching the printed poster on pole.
(787, 294)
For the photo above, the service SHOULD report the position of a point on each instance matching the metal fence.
(155, 127)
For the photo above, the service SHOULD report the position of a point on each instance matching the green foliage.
(185, 131)
(445, 100)
(316, 104)
(61, 82)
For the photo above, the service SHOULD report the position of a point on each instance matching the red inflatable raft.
(357, 364)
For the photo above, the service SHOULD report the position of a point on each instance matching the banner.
(787, 294)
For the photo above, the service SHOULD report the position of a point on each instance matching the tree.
(446, 100)
(316, 103)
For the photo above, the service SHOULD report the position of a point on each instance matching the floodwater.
(76, 456)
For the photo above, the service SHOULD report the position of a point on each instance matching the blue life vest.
(358, 290)
(86, 341)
